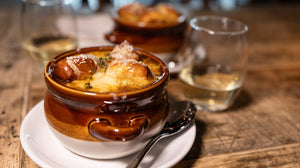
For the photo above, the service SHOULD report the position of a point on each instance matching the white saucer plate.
(45, 150)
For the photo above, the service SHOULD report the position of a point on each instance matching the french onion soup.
(160, 14)
(120, 70)
(106, 102)
(158, 28)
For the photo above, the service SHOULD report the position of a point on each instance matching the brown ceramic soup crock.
(157, 37)
(105, 125)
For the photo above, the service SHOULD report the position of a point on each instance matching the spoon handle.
(139, 157)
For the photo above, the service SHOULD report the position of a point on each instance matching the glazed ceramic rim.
(140, 25)
(164, 78)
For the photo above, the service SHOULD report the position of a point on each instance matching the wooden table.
(261, 129)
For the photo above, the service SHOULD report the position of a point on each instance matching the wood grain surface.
(261, 129)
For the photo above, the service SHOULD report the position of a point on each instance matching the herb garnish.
(88, 84)
(103, 61)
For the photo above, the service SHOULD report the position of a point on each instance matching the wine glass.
(215, 54)
(48, 28)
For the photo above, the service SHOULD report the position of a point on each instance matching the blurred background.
(193, 4)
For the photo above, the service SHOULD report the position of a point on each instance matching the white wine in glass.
(216, 52)
(48, 28)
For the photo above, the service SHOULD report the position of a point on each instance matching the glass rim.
(192, 23)
(43, 2)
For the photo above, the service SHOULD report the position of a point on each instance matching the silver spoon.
(181, 115)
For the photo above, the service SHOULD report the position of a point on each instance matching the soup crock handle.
(103, 130)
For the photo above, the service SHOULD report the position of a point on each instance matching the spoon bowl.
(181, 116)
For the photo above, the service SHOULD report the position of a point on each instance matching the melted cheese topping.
(115, 81)
(125, 72)
(159, 14)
